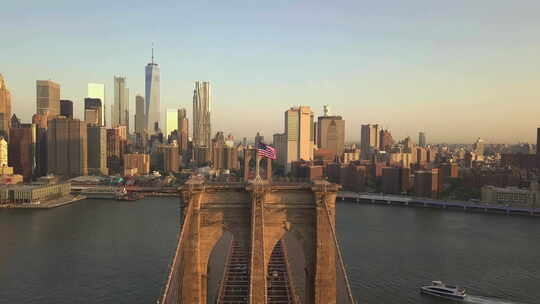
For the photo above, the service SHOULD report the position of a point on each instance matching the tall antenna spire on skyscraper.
(152, 53)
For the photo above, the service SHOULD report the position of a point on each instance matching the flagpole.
(257, 167)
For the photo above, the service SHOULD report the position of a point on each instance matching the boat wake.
(487, 300)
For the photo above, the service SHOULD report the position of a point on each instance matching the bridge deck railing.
(173, 287)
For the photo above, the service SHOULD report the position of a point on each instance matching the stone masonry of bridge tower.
(257, 214)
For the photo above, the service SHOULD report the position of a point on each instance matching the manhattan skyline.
(458, 70)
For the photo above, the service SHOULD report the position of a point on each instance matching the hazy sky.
(456, 69)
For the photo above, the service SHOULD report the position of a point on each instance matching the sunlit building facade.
(120, 114)
(183, 130)
(97, 90)
(152, 96)
(172, 121)
(5, 108)
(48, 98)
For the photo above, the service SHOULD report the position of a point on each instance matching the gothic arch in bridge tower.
(252, 162)
(295, 259)
(216, 265)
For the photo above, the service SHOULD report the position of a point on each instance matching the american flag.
(265, 150)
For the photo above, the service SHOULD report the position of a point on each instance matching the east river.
(99, 251)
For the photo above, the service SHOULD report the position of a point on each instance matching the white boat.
(439, 289)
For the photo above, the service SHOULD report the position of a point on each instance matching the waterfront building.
(138, 161)
(120, 112)
(172, 121)
(512, 196)
(353, 177)
(67, 147)
(116, 147)
(97, 91)
(31, 194)
(66, 108)
(152, 97)
(369, 140)
(48, 98)
(140, 119)
(422, 139)
(395, 180)
(426, 183)
(97, 150)
(22, 150)
(183, 130)
(330, 133)
(93, 111)
(5, 108)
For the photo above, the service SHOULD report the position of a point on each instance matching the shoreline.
(54, 203)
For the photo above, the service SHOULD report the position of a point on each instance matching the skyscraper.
(172, 121)
(422, 139)
(116, 147)
(67, 147)
(97, 90)
(478, 147)
(121, 103)
(5, 108)
(22, 150)
(331, 133)
(300, 135)
(152, 97)
(48, 98)
(183, 130)
(538, 153)
(385, 140)
(3, 152)
(258, 139)
(41, 144)
(140, 120)
(97, 149)
(93, 111)
(201, 114)
(66, 108)
(370, 139)
(170, 157)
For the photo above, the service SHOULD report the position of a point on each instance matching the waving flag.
(265, 150)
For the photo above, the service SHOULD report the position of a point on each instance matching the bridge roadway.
(388, 199)
(234, 287)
